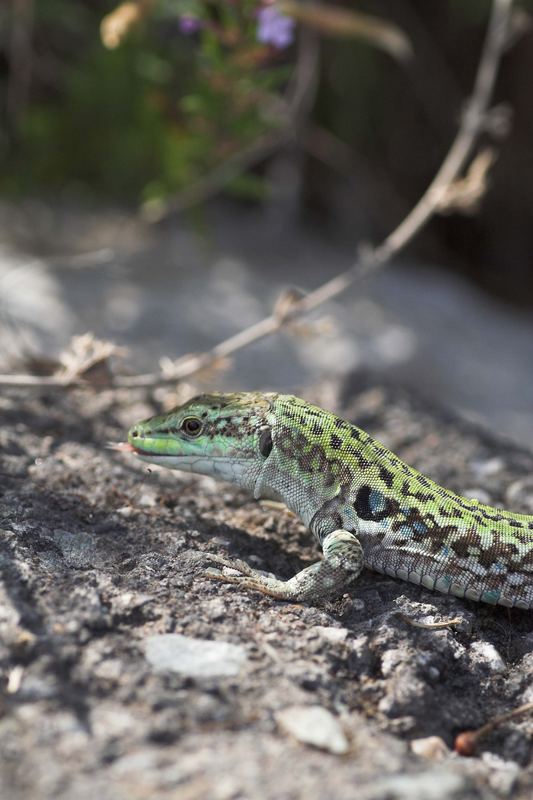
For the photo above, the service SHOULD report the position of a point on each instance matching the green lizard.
(363, 504)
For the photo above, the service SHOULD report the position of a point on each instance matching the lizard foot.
(249, 578)
(235, 564)
(253, 581)
(324, 580)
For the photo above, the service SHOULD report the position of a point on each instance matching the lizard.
(363, 504)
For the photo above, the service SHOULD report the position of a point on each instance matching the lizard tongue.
(125, 447)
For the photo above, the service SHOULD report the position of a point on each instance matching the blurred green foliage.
(146, 118)
(188, 86)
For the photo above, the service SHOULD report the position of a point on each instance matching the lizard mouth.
(126, 447)
(150, 453)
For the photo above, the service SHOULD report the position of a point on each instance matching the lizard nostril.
(135, 433)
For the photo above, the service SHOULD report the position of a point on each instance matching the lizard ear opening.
(265, 442)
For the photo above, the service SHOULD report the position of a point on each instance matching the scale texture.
(364, 505)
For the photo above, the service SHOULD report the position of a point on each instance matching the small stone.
(430, 785)
(333, 635)
(486, 468)
(197, 658)
(486, 655)
(519, 495)
(128, 601)
(215, 609)
(503, 774)
(314, 725)
(390, 660)
(147, 500)
(125, 511)
(476, 493)
(14, 679)
(431, 747)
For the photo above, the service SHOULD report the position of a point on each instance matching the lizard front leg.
(342, 563)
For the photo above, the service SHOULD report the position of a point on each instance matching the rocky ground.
(127, 674)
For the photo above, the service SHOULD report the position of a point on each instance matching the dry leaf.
(116, 25)
(465, 194)
(87, 357)
(287, 303)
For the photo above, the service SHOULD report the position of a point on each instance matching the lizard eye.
(191, 426)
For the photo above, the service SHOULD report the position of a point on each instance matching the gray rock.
(486, 655)
(477, 493)
(314, 725)
(197, 658)
(434, 748)
(503, 775)
(332, 635)
(435, 784)
(520, 495)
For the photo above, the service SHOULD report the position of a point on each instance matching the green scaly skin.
(364, 505)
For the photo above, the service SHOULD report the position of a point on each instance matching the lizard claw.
(248, 578)
(237, 564)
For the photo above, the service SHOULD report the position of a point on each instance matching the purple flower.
(274, 28)
(189, 25)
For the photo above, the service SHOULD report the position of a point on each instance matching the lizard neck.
(279, 481)
(302, 469)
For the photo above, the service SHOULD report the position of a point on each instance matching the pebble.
(390, 660)
(486, 655)
(476, 493)
(147, 500)
(503, 774)
(128, 601)
(197, 658)
(215, 609)
(431, 747)
(519, 495)
(429, 785)
(333, 635)
(125, 511)
(314, 725)
(486, 468)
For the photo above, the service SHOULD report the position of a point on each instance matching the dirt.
(102, 558)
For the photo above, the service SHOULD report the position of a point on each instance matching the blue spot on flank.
(498, 567)
(376, 502)
(492, 596)
(420, 527)
(445, 550)
(405, 531)
(348, 514)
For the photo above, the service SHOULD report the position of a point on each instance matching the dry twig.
(467, 741)
(474, 121)
(430, 626)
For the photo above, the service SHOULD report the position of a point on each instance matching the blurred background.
(167, 167)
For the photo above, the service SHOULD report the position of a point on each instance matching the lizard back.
(334, 475)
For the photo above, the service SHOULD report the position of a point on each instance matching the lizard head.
(227, 436)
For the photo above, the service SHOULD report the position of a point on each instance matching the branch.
(289, 308)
